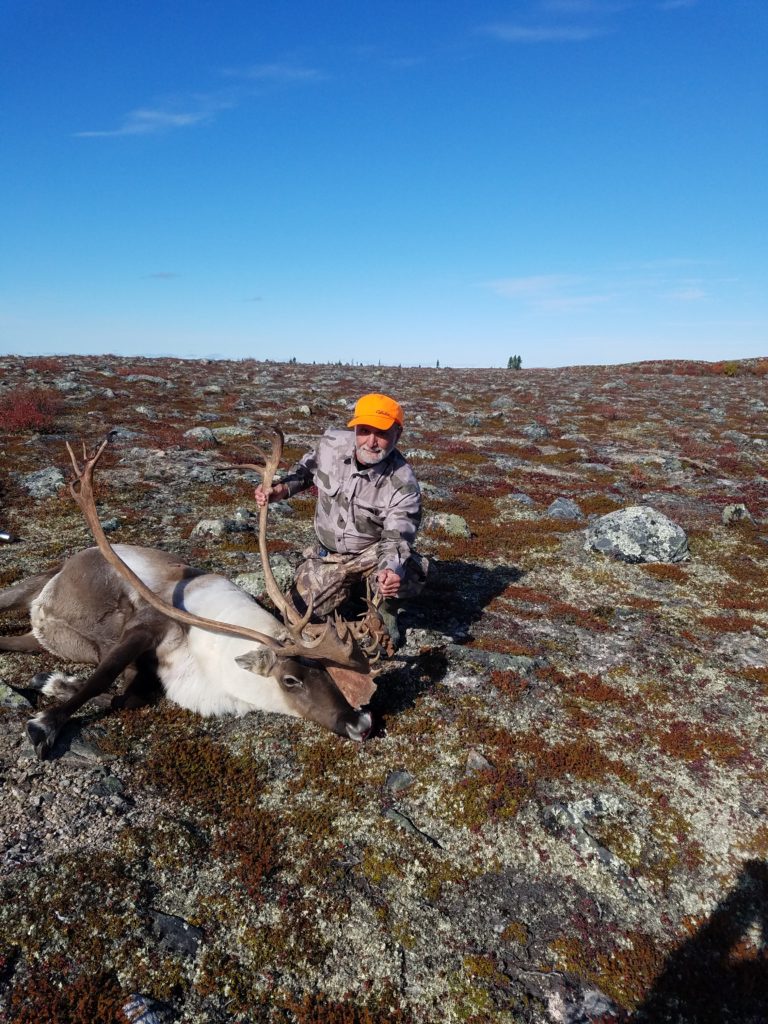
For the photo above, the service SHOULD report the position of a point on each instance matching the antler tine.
(291, 616)
(86, 473)
(257, 467)
(328, 645)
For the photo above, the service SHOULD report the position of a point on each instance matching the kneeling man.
(367, 515)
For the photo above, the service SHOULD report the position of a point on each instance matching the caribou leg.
(43, 729)
(21, 596)
(142, 684)
(26, 644)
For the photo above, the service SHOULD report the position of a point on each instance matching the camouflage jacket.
(357, 507)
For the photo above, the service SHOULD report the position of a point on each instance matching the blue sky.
(574, 181)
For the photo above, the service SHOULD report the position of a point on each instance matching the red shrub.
(29, 409)
(47, 364)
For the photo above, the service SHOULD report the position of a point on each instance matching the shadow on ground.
(720, 975)
(456, 595)
(454, 598)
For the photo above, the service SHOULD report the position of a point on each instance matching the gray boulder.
(535, 432)
(225, 433)
(253, 583)
(204, 435)
(638, 534)
(147, 378)
(211, 528)
(45, 483)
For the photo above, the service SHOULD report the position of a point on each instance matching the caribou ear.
(260, 661)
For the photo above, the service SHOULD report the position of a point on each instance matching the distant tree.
(437, 364)
(514, 362)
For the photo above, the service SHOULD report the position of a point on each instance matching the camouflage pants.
(328, 578)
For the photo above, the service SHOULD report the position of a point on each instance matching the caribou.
(142, 613)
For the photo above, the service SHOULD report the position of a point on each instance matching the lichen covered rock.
(638, 534)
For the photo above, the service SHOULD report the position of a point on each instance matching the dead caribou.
(144, 613)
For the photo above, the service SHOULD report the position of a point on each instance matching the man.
(367, 515)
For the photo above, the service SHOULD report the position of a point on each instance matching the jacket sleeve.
(401, 523)
(302, 475)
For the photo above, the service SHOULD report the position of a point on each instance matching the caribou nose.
(358, 731)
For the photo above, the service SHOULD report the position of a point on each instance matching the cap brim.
(373, 420)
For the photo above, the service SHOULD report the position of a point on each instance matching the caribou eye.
(292, 683)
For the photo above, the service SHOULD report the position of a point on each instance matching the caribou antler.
(327, 646)
(266, 470)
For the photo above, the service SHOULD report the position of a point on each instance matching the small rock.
(122, 434)
(455, 526)
(245, 517)
(175, 934)
(146, 411)
(10, 699)
(477, 763)
(109, 786)
(398, 781)
(140, 1009)
(564, 508)
(736, 514)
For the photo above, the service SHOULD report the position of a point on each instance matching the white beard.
(368, 458)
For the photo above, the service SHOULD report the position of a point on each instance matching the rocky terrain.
(561, 816)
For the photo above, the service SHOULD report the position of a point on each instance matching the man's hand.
(387, 582)
(276, 493)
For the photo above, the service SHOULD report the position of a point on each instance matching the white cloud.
(277, 73)
(535, 285)
(509, 33)
(202, 108)
(662, 280)
(149, 121)
(556, 293)
(687, 293)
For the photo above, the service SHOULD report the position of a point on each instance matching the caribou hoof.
(42, 735)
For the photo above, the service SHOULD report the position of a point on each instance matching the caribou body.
(143, 613)
(88, 614)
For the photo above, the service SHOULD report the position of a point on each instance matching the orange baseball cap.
(377, 411)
